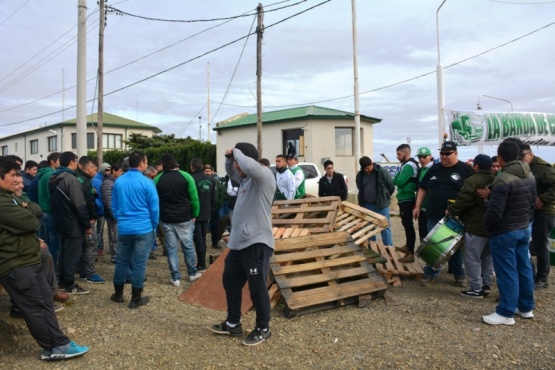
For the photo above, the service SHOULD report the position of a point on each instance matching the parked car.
(312, 176)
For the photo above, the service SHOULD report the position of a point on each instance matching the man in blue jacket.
(136, 209)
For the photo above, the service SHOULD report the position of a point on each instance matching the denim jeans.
(511, 261)
(100, 232)
(133, 250)
(541, 227)
(386, 233)
(51, 237)
(175, 233)
(455, 263)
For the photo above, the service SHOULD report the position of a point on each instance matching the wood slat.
(311, 254)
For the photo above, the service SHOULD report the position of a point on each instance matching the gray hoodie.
(252, 215)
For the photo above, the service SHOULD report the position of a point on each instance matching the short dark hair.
(7, 164)
(196, 163)
(281, 156)
(509, 151)
(30, 164)
(67, 157)
(43, 164)
(208, 167)
(168, 162)
(494, 159)
(15, 158)
(85, 161)
(364, 162)
(519, 143)
(135, 159)
(404, 147)
(264, 162)
(116, 167)
(328, 162)
(53, 157)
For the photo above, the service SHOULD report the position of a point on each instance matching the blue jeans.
(455, 263)
(133, 250)
(386, 233)
(51, 237)
(511, 261)
(175, 233)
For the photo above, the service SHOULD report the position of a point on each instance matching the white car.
(312, 176)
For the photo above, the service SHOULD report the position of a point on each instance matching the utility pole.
(81, 126)
(259, 32)
(199, 128)
(208, 104)
(355, 71)
(100, 115)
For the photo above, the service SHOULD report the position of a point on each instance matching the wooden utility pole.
(259, 32)
(81, 127)
(100, 115)
(208, 102)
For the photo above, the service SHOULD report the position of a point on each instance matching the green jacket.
(470, 207)
(545, 184)
(406, 180)
(384, 183)
(19, 244)
(44, 194)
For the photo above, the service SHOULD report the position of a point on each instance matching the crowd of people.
(53, 215)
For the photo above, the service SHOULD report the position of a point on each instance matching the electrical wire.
(520, 3)
(194, 118)
(11, 15)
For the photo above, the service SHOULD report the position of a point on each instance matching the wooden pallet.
(315, 214)
(392, 269)
(360, 222)
(322, 271)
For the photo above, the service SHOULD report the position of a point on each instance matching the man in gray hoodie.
(251, 243)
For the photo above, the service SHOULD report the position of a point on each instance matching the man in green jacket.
(374, 192)
(544, 214)
(426, 161)
(470, 208)
(21, 273)
(406, 180)
(51, 237)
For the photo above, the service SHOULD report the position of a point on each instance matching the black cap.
(448, 146)
(483, 161)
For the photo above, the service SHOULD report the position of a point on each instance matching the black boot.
(118, 295)
(136, 299)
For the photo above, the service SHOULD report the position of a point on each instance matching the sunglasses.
(445, 154)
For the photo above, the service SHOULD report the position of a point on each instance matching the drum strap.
(444, 240)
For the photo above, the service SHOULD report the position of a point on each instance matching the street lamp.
(505, 100)
(440, 88)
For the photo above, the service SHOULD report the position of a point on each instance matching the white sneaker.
(176, 282)
(194, 277)
(495, 319)
(525, 315)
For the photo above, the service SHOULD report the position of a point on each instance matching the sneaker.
(257, 336)
(496, 319)
(77, 290)
(224, 329)
(15, 313)
(470, 293)
(96, 279)
(176, 283)
(428, 280)
(460, 281)
(402, 249)
(57, 306)
(525, 315)
(486, 289)
(64, 352)
(201, 268)
(408, 258)
(540, 284)
(60, 295)
(194, 277)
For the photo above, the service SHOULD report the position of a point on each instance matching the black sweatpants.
(251, 265)
(199, 238)
(68, 259)
(405, 209)
(30, 292)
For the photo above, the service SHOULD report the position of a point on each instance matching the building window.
(344, 141)
(52, 143)
(4, 150)
(293, 141)
(90, 140)
(112, 141)
(34, 146)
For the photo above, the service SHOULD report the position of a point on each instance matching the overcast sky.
(307, 59)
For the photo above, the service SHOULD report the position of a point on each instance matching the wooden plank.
(311, 254)
(297, 282)
(281, 270)
(302, 242)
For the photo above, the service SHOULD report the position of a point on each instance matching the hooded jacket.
(512, 200)
(384, 184)
(44, 194)
(545, 184)
(19, 244)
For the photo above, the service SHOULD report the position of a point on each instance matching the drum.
(442, 242)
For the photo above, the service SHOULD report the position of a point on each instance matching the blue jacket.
(135, 203)
(96, 183)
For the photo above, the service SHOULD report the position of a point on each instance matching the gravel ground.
(431, 328)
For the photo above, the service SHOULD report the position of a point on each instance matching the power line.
(18, 9)
(520, 3)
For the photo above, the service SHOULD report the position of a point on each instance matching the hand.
(416, 213)
(24, 204)
(42, 244)
(483, 193)
(88, 231)
(229, 153)
(539, 203)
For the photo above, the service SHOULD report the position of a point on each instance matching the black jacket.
(336, 187)
(89, 192)
(206, 189)
(512, 200)
(69, 208)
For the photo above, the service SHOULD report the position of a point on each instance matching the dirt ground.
(430, 328)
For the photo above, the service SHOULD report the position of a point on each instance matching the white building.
(317, 133)
(37, 144)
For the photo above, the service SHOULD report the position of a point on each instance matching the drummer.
(441, 183)
(470, 208)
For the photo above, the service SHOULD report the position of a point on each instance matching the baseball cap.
(448, 146)
(424, 151)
